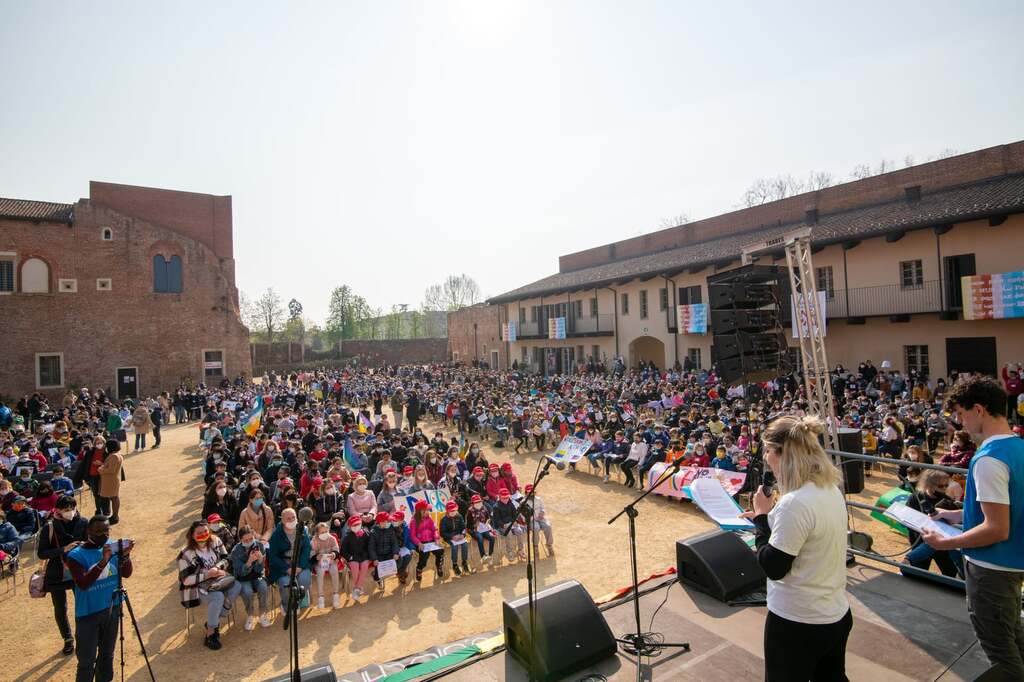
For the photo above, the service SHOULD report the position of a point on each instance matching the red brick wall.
(129, 326)
(986, 163)
(476, 345)
(203, 217)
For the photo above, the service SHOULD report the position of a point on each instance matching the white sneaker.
(336, 601)
(606, 478)
(250, 623)
(320, 602)
(357, 593)
(265, 621)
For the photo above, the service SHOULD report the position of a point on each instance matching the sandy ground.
(162, 496)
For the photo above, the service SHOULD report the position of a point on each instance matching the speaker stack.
(747, 316)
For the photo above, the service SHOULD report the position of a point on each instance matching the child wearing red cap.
(540, 522)
(423, 532)
(508, 479)
(325, 552)
(477, 483)
(494, 483)
(513, 538)
(355, 547)
(384, 544)
(405, 544)
(479, 522)
(453, 531)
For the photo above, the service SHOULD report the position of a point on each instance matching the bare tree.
(884, 166)
(861, 171)
(457, 291)
(675, 221)
(908, 160)
(763, 190)
(265, 313)
(819, 180)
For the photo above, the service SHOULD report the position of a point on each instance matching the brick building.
(890, 252)
(474, 335)
(132, 290)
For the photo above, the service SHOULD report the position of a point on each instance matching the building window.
(663, 299)
(577, 309)
(823, 276)
(49, 370)
(694, 355)
(525, 355)
(689, 295)
(68, 286)
(213, 363)
(534, 310)
(166, 274)
(915, 359)
(35, 276)
(595, 353)
(911, 274)
(6, 274)
(593, 307)
(625, 304)
(643, 304)
(522, 315)
(107, 234)
(104, 284)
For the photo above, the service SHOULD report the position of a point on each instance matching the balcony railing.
(573, 325)
(888, 299)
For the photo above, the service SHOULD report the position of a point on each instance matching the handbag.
(37, 581)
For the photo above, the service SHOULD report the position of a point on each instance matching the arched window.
(35, 276)
(166, 274)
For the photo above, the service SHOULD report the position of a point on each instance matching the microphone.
(549, 460)
(305, 516)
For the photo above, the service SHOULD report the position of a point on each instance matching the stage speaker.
(313, 673)
(732, 321)
(721, 296)
(718, 563)
(853, 469)
(744, 343)
(571, 633)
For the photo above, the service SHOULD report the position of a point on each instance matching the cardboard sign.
(676, 486)
(571, 450)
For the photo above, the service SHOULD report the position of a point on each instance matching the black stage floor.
(903, 630)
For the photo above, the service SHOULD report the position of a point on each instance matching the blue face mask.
(257, 503)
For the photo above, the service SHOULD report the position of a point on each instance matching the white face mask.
(478, 505)
(290, 525)
(324, 537)
(68, 515)
(222, 491)
(360, 488)
(216, 527)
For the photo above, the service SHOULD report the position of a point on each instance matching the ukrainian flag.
(253, 418)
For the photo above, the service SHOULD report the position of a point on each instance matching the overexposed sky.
(385, 145)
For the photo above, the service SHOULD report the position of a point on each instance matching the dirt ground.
(162, 495)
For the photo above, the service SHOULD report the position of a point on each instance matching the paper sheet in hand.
(711, 497)
(915, 520)
(482, 527)
(431, 547)
(460, 541)
(386, 568)
(404, 551)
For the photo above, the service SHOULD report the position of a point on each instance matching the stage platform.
(903, 630)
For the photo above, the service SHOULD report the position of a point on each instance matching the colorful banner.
(732, 481)
(435, 498)
(692, 318)
(571, 449)
(993, 297)
(556, 327)
(253, 419)
(509, 331)
(801, 326)
(891, 496)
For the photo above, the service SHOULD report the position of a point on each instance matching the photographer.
(97, 610)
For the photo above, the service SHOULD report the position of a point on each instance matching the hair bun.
(810, 424)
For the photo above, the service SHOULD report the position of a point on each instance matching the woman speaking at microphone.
(801, 545)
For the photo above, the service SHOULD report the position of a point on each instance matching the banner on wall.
(510, 331)
(993, 297)
(801, 325)
(675, 486)
(692, 318)
(556, 327)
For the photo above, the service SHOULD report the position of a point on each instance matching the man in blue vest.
(993, 523)
(97, 609)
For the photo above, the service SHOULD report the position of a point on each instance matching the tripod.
(637, 643)
(123, 593)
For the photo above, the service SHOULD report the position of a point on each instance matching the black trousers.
(59, 598)
(422, 557)
(797, 652)
(97, 636)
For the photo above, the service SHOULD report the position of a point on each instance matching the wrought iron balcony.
(887, 299)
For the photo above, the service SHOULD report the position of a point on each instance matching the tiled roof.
(967, 202)
(35, 210)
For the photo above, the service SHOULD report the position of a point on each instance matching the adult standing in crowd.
(110, 472)
(65, 531)
(801, 545)
(141, 424)
(993, 522)
(397, 404)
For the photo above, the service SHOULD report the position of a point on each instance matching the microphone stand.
(291, 620)
(636, 643)
(526, 511)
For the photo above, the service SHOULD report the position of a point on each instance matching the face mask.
(248, 544)
(384, 525)
(99, 539)
(290, 525)
(323, 537)
(222, 491)
(331, 490)
(202, 538)
(478, 505)
(356, 529)
(360, 488)
(216, 527)
(257, 503)
(68, 515)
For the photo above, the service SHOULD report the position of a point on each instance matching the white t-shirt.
(992, 484)
(810, 524)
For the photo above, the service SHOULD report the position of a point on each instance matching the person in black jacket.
(62, 533)
(355, 548)
(929, 497)
(512, 534)
(220, 500)
(453, 531)
(383, 544)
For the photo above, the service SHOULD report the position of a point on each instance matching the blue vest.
(98, 596)
(1009, 552)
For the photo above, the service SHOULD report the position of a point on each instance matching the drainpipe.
(675, 337)
(615, 309)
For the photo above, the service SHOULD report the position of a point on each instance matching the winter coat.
(384, 544)
(55, 535)
(141, 422)
(110, 475)
(423, 531)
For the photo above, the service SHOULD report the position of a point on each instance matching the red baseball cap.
(493, 466)
(452, 505)
(398, 516)
(422, 504)
(475, 499)
(528, 487)
(503, 492)
(383, 517)
(214, 518)
(507, 466)
(407, 471)
(477, 470)
(355, 520)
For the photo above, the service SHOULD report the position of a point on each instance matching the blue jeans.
(140, 441)
(462, 549)
(305, 580)
(950, 562)
(480, 537)
(218, 603)
(259, 587)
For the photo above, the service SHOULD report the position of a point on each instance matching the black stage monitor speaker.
(720, 564)
(312, 673)
(722, 296)
(731, 321)
(571, 632)
(853, 469)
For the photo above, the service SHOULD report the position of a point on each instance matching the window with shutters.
(823, 276)
(689, 295)
(49, 370)
(663, 299)
(625, 304)
(593, 307)
(6, 275)
(915, 359)
(643, 304)
(911, 274)
(166, 274)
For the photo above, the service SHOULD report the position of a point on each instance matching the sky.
(385, 145)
